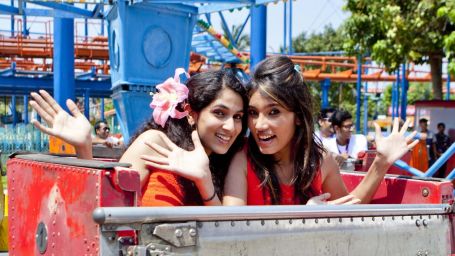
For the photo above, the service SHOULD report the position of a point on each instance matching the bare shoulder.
(138, 147)
(329, 165)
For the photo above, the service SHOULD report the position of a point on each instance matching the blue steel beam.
(70, 8)
(7, 9)
(242, 28)
(64, 85)
(404, 92)
(258, 34)
(226, 29)
(26, 85)
(358, 99)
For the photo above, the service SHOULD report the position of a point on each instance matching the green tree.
(328, 40)
(448, 11)
(416, 91)
(395, 31)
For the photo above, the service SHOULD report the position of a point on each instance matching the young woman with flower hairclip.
(283, 163)
(206, 115)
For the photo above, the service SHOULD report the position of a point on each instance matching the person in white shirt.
(102, 135)
(345, 144)
(325, 125)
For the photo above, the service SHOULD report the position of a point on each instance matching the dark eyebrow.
(225, 107)
(274, 104)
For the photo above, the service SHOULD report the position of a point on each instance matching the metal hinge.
(177, 234)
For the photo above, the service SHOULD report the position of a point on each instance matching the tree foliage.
(395, 31)
(328, 40)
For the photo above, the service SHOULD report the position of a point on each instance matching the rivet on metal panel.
(192, 232)
(178, 233)
(418, 223)
(425, 192)
(232, 223)
(425, 223)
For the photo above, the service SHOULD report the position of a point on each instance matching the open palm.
(394, 146)
(193, 165)
(74, 129)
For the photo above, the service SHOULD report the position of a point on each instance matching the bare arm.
(133, 154)
(73, 129)
(235, 186)
(389, 150)
(192, 165)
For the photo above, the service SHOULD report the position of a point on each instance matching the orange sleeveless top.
(167, 189)
(255, 194)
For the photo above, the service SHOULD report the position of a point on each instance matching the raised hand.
(75, 129)
(322, 200)
(394, 146)
(193, 165)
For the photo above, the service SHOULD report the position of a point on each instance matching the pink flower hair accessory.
(169, 95)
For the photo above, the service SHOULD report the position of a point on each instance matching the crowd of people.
(194, 150)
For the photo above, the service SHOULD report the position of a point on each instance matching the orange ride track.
(36, 54)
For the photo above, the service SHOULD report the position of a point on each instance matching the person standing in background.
(441, 142)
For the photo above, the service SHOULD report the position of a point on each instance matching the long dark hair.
(203, 90)
(278, 78)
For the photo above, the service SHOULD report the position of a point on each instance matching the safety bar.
(433, 169)
(130, 215)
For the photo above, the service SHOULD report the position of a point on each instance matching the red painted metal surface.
(62, 198)
(368, 158)
(404, 190)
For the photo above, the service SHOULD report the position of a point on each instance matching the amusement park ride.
(97, 212)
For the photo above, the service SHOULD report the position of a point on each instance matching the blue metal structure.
(140, 56)
(258, 34)
(358, 92)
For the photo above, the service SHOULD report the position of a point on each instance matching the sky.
(309, 16)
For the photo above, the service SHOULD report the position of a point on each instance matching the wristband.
(210, 198)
